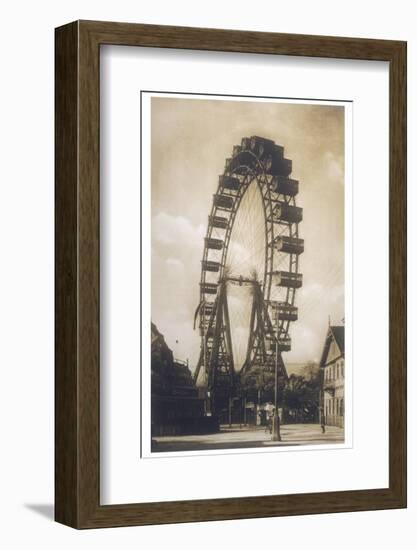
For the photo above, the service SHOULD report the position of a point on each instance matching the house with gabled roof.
(332, 365)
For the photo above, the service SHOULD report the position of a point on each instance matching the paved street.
(235, 437)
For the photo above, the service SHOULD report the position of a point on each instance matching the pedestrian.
(323, 425)
(270, 409)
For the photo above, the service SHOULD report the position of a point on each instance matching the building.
(332, 365)
(176, 408)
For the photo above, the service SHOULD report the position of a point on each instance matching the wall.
(26, 289)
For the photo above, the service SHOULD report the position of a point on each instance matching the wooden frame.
(77, 274)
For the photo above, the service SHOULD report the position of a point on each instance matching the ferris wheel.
(252, 243)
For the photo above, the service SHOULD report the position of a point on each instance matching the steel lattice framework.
(257, 161)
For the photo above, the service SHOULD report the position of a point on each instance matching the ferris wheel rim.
(258, 175)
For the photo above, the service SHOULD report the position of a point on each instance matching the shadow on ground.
(45, 510)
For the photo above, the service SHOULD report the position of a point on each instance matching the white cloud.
(167, 229)
(334, 168)
(310, 289)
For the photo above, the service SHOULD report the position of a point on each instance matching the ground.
(235, 437)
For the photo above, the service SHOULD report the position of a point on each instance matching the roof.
(339, 336)
(335, 333)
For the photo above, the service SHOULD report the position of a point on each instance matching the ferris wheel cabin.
(288, 279)
(215, 244)
(208, 288)
(284, 342)
(284, 186)
(291, 245)
(229, 182)
(224, 202)
(288, 213)
(219, 222)
(209, 265)
(285, 312)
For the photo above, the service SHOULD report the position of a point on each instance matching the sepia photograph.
(248, 269)
(230, 275)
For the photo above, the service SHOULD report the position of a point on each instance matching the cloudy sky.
(191, 138)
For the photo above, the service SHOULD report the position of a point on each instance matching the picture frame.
(77, 269)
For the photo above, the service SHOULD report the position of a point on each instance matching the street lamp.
(276, 432)
(207, 397)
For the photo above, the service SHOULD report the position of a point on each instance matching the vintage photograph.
(247, 273)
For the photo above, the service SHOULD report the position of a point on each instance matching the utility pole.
(258, 408)
(276, 432)
(207, 393)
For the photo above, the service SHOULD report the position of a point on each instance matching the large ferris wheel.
(250, 268)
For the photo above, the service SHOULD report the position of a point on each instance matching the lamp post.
(276, 432)
(207, 404)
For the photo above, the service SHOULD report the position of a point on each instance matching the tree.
(301, 397)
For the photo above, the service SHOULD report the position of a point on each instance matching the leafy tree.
(301, 396)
